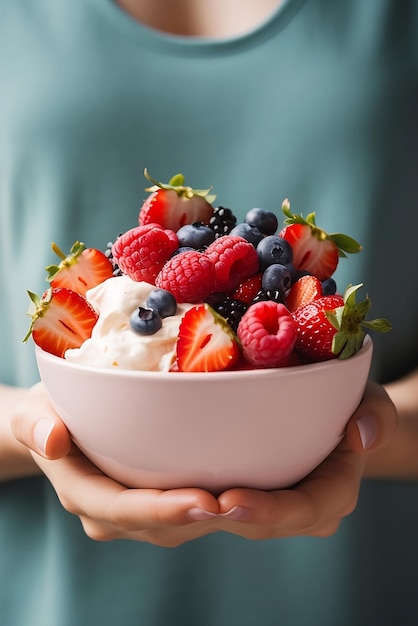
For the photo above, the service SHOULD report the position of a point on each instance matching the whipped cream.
(113, 343)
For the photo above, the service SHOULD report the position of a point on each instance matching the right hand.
(107, 509)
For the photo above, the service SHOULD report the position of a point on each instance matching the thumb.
(374, 422)
(37, 426)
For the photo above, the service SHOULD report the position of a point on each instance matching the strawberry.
(247, 290)
(267, 333)
(305, 289)
(314, 250)
(80, 270)
(205, 342)
(315, 330)
(331, 326)
(142, 251)
(62, 319)
(173, 205)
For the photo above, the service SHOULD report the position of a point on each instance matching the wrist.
(15, 459)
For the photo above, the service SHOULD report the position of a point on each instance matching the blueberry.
(276, 277)
(145, 321)
(183, 249)
(248, 232)
(162, 301)
(274, 249)
(266, 221)
(195, 235)
(329, 287)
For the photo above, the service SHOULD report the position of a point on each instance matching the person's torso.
(318, 105)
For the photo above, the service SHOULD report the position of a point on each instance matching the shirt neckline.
(191, 45)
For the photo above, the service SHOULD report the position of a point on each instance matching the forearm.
(399, 458)
(15, 459)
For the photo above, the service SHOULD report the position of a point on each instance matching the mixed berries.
(264, 295)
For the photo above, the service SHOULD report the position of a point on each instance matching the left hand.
(316, 505)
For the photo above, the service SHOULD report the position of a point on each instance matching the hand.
(108, 510)
(317, 505)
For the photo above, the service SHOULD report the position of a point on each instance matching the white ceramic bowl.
(263, 429)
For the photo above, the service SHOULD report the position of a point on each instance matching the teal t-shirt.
(318, 105)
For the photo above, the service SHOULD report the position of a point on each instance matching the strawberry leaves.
(345, 244)
(66, 260)
(349, 321)
(176, 183)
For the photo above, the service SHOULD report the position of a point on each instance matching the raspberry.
(142, 251)
(267, 333)
(234, 259)
(189, 276)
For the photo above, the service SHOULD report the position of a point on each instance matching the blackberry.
(108, 252)
(263, 295)
(232, 310)
(222, 221)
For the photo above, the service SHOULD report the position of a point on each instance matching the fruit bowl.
(263, 429)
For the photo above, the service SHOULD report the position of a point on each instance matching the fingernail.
(237, 513)
(41, 432)
(199, 515)
(367, 428)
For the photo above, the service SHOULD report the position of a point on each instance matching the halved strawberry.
(205, 342)
(305, 289)
(80, 270)
(62, 319)
(314, 250)
(332, 326)
(173, 205)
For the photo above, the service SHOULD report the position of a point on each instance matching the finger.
(167, 537)
(85, 491)
(37, 426)
(374, 422)
(327, 495)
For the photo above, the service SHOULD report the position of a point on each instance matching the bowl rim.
(223, 375)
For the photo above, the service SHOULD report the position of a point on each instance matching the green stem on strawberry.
(176, 183)
(39, 305)
(66, 259)
(349, 320)
(344, 243)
